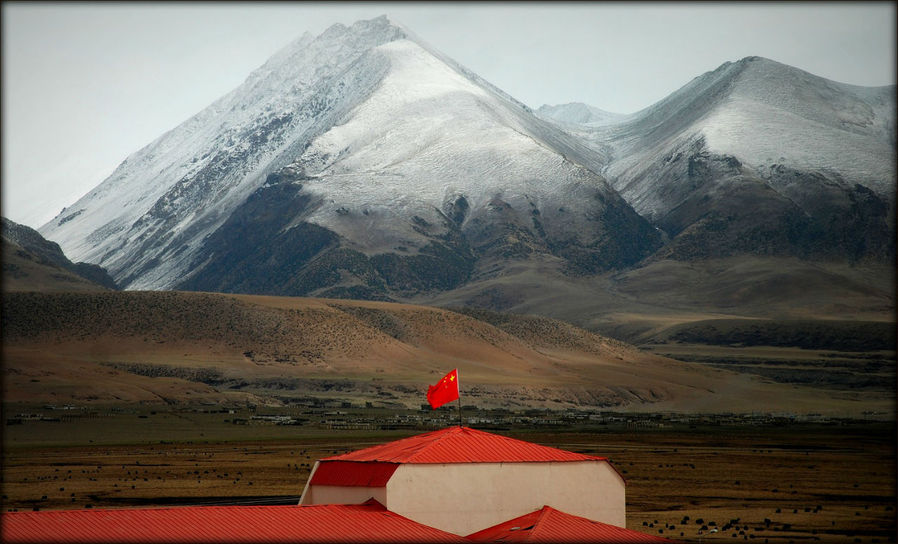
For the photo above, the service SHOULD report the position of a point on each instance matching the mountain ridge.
(383, 163)
(33, 263)
(363, 163)
(759, 139)
(207, 154)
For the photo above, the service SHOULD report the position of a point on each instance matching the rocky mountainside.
(32, 263)
(364, 164)
(758, 158)
(359, 163)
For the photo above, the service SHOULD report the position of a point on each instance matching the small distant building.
(462, 480)
(552, 526)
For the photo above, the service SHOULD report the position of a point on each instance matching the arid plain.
(142, 399)
(780, 482)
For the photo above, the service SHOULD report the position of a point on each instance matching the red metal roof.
(550, 525)
(369, 522)
(348, 473)
(461, 445)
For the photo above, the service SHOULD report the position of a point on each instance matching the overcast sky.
(85, 85)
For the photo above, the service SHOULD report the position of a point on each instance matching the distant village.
(345, 415)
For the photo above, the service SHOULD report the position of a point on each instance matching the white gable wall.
(339, 494)
(467, 497)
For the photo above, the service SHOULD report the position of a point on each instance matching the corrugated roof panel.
(348, 473)
(369, 522)
(462, 445)
(550, 525)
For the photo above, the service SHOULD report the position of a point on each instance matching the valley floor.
(772, 480)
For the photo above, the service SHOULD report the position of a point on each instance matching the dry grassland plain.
(151, 354)
(170, 347)
(776, 484)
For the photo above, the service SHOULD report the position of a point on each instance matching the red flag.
(446, 390)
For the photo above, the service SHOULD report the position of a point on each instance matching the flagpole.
(458, 385)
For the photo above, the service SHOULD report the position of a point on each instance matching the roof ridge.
(460, 444)
(442, 435)
(538, 527)
(518, 440)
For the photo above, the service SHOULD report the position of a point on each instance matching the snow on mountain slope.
(445, 137)
(365, 139)
(578, 113)
(143, 221)
(767, 146)
(764, 113)
(776, 114)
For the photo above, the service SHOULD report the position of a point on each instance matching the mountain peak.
(382, 27)
(381, 159)
(754, 58)
(383, 20)
(359, 36)
(760, 134)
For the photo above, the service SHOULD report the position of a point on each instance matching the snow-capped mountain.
(578, 113)
(359, 162)
(759, 157)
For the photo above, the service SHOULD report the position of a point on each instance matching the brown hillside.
(25, 271)
(180, 347)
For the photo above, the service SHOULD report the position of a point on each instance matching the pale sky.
(85, 85)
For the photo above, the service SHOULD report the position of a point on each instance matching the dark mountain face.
(758, 158)
(268, 246)
(257, 251)
(724, 208)
(30, 262)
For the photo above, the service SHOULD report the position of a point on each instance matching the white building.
(461, 480)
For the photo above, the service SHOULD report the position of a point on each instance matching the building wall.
(336, 494)
(465, 498)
